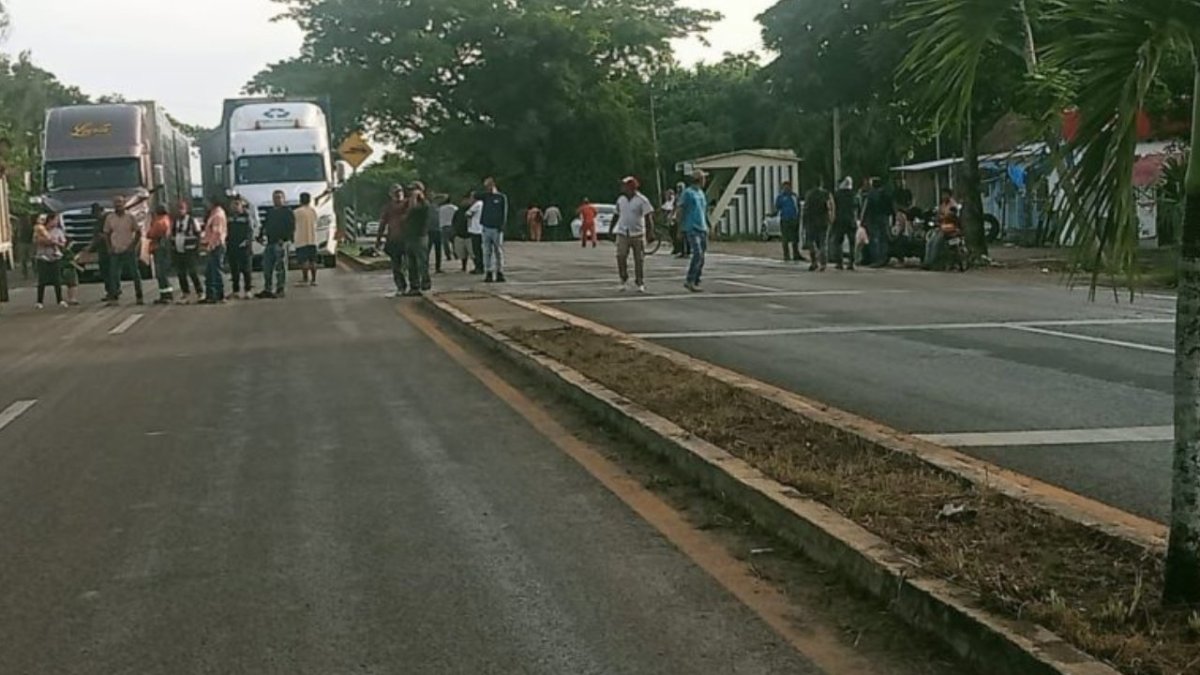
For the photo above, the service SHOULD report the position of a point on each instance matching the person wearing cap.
(635, 215)
(693, 213)
(391, 225)
(494, 219)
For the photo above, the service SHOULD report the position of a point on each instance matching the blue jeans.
(493, 251)
(214, 276)
(698, 241)
(275, 263)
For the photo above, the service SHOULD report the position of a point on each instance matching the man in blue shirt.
(787, 207)
(693, 214)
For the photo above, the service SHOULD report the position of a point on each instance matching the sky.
(196, 56)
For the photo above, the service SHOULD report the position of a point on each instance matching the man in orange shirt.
(160, 251)
(587, 218)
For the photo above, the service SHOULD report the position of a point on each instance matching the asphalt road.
(312, 486)
(1024, 373)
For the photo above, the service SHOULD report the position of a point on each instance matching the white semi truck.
(269, 145)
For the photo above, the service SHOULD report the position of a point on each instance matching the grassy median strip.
(1100, 593)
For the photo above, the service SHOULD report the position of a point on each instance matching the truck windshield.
(94, 174)
(259, 169)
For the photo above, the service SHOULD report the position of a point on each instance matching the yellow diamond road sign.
(355, 149)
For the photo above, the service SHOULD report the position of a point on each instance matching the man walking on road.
(787, 207)
(635, 216)
(460, 229)
(422, 221)
(24, 245)
(845, 226)
(818, 212)
(238, 249)
(306, 240)
(124, 237)
(494, 219)
(278, 231)
(693, 213)
(216, 229)
(391, 226)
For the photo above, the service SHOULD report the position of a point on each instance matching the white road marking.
(695, 296)
(1097, 340)
(612, 280)
(14, 411)
(902, 328)
(1000, 439)
(126, 324)
(743, 284)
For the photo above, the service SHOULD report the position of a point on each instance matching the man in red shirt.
(587, 217)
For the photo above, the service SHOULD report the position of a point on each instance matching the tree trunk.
(1182, 585)
(972, 191)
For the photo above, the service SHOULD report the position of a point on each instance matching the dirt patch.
(1099, 593)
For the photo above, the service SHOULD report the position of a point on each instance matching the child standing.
(70, 276)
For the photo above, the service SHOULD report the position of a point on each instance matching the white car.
(605, 219)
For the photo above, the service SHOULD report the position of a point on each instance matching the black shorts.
(306, 254)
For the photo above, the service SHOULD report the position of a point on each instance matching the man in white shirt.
(475, 228)
(553, 222)
(446, 221)
(635, 215)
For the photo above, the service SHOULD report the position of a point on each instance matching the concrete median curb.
(993, 643)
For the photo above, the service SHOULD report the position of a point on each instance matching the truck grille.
(80, 227)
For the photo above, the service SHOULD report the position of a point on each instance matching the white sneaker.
(623, 287)
(39, 306)
(641, 288)
(396, 294)
(63, 304)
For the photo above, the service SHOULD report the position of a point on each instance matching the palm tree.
(944, 65)
(1116, 47)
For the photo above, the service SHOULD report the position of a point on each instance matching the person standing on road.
(391, 226)
(159, 236)
(787, 207)
(475, 228)
(185, 251)
(534, 219)
(50, 239)
(124, 237)
(278, 231)
(460, 229)
(635, 217)
(553, 222)
(433, 236)
(216, 230)
(494, 218)
(99, 246)
(877, 215)
(845, 224)
(306, 240)
(25, 246)
(446, 213)
(693, 213)
(587, 223)
(416, 240)
(818, 213)
(239, 249)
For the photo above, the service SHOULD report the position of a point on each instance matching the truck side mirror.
(342, 172)
(160, 176)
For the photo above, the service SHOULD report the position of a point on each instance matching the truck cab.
(284, 146)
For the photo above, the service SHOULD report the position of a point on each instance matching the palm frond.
(947, 43)
(1116, 47)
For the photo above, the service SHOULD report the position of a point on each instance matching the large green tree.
(546, 95)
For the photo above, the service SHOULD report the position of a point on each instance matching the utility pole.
(837, 144)
(658, 180)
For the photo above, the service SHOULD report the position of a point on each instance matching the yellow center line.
(818, 643)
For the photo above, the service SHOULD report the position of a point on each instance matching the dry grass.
(1099, 593)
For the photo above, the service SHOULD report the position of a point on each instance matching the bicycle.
(656, 237)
